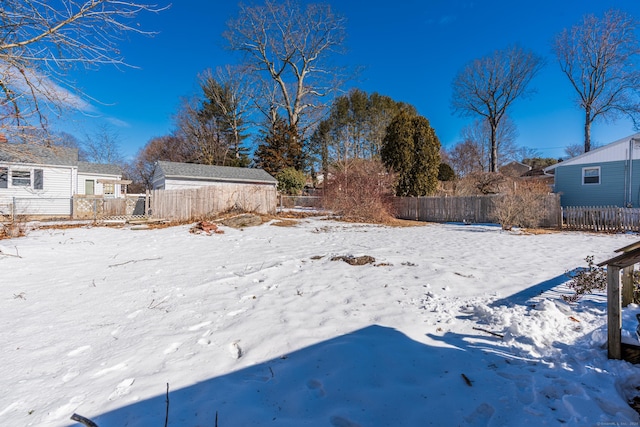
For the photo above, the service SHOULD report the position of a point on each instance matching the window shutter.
(4, 177)
(38, 179)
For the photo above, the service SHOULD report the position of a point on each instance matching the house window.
(38, 179)
(591, 175)
(89, 187)
(20, 178)
(4, 177)
(108, 189)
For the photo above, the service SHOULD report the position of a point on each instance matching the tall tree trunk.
(493, 162)
(587, 129)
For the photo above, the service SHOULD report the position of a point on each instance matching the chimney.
(3, 138)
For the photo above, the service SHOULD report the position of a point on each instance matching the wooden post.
(627, 285)
(614, 313)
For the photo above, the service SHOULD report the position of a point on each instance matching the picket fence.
(602, 218)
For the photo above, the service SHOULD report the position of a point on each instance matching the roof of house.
(214, 173)
(38, 154)
(99, 168)
(35, 154)
(515, 169)
(614, 151)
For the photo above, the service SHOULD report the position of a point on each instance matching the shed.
(617, 297)
(177, 176)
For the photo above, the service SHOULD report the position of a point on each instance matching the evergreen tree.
(411, 149)
(281, 148)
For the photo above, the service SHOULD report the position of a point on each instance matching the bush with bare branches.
(481, 183)
(522, 205)
(360, 190)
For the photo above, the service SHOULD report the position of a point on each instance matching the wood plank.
(614, 313)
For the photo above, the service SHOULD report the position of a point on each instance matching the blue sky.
(410, 50)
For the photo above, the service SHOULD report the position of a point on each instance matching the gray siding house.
(606, 176)
(186, 191)
(179, 176)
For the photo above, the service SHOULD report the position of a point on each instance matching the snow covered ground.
(261, 327)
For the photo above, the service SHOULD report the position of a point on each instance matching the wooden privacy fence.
(470, 209)
(202, 202)
(602, 218)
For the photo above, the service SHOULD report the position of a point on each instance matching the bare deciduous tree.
(599, 56)
(488, 86)
(287, 48)
(41, 40)
(170, 148)
(202, 134)
(573, 150)
(102, 147)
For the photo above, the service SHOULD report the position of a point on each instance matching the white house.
(39, 180)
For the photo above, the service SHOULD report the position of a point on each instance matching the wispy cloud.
(117, 122)
(447, 19)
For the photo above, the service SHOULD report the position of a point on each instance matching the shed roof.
(38, 154)
(214, 173)
(99, 168)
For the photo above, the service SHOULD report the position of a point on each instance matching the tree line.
(281, 106)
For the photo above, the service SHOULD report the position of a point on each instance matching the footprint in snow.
(204, 342)
(481, 416)
(199, 326)
(172, 348)
(134, 314)
(69, 376)
(78, 351)
(122, 389)
(316, 387)
(236, 312)
(118, 367)
(337, 421)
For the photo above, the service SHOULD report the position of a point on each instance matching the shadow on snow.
(375, 376)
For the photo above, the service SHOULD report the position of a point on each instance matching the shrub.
(481, 183)
(593, 278)
(446, 173)
(291, 181)
(523, 205)
(361, 190)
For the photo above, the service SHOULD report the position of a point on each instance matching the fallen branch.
(134, 261)
(466, 380)
(82, 420)
(495, 334)
(166, 417)
(17, 255)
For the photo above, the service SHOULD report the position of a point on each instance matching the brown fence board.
(469, 209)
(202, 202)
